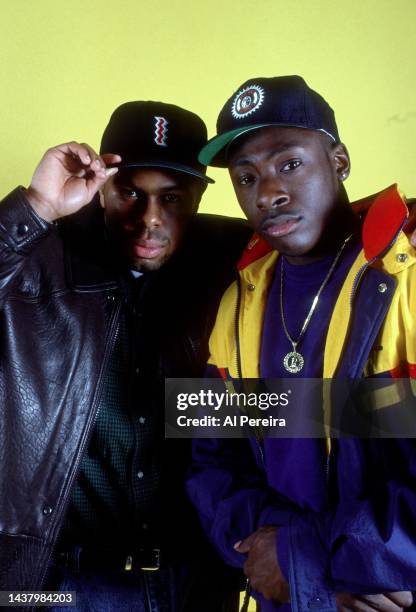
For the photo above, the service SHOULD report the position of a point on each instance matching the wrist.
(42, 208)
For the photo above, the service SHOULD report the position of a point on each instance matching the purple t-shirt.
(298, 466)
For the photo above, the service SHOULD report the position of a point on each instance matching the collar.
(385, 217)
(136, 273)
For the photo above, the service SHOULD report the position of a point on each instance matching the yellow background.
(65, 65)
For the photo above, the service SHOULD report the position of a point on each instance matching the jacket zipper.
(355, 283)
(114, 329)
(192, 349)
(236, 328)
(238, 361)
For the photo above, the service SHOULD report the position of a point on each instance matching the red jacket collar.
(386, 215)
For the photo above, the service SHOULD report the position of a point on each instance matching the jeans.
(185, 588)
(111, 592)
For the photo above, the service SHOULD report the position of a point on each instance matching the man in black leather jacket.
(99, 303)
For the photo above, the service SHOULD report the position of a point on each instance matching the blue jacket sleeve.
(373, 535)
(368, 543)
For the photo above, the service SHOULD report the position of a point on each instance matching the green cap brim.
(217, 144)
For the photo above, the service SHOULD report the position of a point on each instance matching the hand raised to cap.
(67, 178)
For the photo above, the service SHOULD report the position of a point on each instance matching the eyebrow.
(171, 187)
(276, 150)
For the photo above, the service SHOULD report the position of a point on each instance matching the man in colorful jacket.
(321, 292)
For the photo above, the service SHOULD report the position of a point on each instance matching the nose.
(150, 213)
(271, 195)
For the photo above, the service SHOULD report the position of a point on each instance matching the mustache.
(154, 234)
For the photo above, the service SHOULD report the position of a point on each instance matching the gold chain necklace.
(293, 362)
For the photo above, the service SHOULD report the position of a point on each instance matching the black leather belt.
(91, 558)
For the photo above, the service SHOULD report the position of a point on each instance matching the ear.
(341, 161)
(200, 189)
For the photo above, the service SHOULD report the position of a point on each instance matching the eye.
(128, 193)
(292, 164)
(171, 198)
(245, 179)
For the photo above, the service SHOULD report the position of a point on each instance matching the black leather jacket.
(60, 301)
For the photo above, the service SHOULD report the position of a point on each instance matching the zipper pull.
(246, 602)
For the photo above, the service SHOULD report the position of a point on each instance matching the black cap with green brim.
(263, 102)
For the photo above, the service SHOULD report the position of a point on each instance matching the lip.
(148, 249)
(281, 225)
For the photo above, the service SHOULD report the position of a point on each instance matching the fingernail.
(237, 544)
(111, 171)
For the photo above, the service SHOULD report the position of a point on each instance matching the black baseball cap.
(155, 134)
(285, 101)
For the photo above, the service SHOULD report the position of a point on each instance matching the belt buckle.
(148, 560)
(154, 561)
